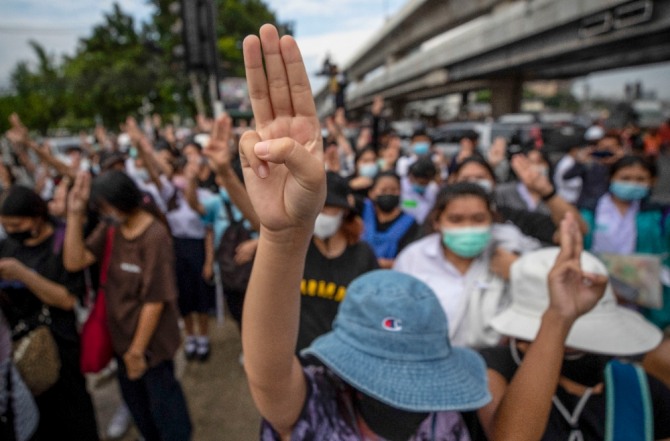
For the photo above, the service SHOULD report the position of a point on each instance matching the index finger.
(301, 91)
(570, 239)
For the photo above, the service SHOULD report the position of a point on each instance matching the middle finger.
(278, 85)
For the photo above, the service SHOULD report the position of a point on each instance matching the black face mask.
(387, 202)
(587, 369)
(21, 236)
(387, 421)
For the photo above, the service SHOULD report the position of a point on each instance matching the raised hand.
(78, 197)
(217, 150)
(18, 133)
(282, 159)
(530, 177)
(134, 131)
(573, 292)
(377, 105)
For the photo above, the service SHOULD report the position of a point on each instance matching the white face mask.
(326, 225)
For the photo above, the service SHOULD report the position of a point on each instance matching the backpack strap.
(629, 411)
(229, 211)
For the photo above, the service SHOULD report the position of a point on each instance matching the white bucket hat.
(606, 329)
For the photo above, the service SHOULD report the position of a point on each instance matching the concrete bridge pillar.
(506, 95)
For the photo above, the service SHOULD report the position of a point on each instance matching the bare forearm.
(524, 410)
(75, 255)
(191, 196)
(238, 195)
(271, 319)
(51, 293)
(558, 207)
(149, 317)
(209, 247)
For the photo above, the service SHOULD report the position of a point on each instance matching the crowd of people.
(383, 291)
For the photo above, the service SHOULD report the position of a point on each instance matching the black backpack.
(234, 277)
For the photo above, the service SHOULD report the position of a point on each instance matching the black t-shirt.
(324, 286)
(592, 419)
(18, 303)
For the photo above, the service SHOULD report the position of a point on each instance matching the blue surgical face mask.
(629, 191)
(418, 188)
(367, 170)
(466, 242)
(421, 148)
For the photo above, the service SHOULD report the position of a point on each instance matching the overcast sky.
(338, 27)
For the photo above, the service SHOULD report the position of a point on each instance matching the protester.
(195, 259)
(418, 189)
(421, 145)
(36, 290)
(366, 169)
(536, 225)
(455, 262)
(518, 195)
(593, 164)
(624, 221)
(335, 256)
(568, 189)
(229, 205)
(387, 229)
(388, 370)
(141, 297)
(557, 380)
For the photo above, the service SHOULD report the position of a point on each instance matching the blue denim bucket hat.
(390, 340)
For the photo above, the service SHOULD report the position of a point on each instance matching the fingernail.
(262, 148)
(263, 170)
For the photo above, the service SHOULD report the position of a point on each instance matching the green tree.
(39, 93)
(113, 71)
(121, 65)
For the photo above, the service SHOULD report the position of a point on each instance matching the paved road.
(216, 391)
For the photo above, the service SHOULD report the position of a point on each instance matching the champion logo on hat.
(392, 324)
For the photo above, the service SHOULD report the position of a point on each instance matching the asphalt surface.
(216, 391)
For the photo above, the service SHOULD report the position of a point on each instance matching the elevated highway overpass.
(498, 44)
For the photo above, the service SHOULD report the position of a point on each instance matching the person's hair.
(421, 133)
(629, 161)
(192, 143)
(119, 190)
(450, 193)
(385, 174)
(545, 157)
(352, 227)
(361, 152)
(22, 201)
(472, 135)
(477, 160)
(423, 168)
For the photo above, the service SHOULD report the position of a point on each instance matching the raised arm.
(76, 256)
(520, 410)
(558, 207)
(218, 154)
(285, 180)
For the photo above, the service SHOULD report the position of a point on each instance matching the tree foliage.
(122, 66)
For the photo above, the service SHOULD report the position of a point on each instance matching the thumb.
(305, 166)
